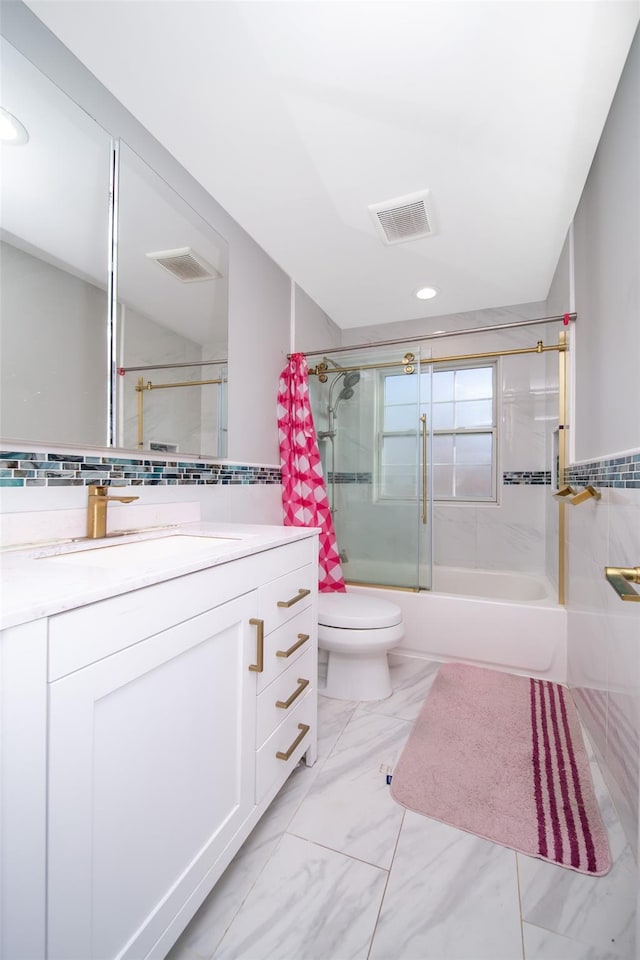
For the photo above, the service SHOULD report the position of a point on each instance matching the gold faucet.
(97, 512)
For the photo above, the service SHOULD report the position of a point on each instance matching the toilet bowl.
(357, 631)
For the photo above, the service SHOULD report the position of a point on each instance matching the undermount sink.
(155, 550)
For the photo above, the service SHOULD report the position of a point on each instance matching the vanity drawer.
(290, 740)
(291, 687)
(282, 599)
(283, 646)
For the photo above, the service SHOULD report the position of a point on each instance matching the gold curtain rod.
(164, 386)
(399, 341)
(322, 370)
(171, 366)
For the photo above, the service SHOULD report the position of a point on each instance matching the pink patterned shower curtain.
(304, 495)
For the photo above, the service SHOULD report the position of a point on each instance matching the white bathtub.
(492, 585)
(504, 620)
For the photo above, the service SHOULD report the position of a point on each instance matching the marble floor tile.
(311, 880)
(205, 931)
(333, 716)
(309, 903)
(411, 680)
(349, 807)
(450, 895)
(540, 944)
(598, 911)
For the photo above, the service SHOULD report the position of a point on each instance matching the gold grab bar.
(423, 421)
(302, 638)
(285, 704)
(566, 491)
(305, 730)
(259, 666)
(621, 579)
(588, 493)
(299, 596)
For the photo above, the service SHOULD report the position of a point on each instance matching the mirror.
(54, 237)
(172, 319)
(55, 337)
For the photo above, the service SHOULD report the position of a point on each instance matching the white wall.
(603, 632)
(607, 282)
(52, 346)
(313, 329)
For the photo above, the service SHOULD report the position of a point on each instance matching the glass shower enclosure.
(372, 415)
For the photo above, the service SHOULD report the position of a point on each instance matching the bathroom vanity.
(155, 697)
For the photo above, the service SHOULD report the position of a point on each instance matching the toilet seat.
(356, 642)
(351, 611)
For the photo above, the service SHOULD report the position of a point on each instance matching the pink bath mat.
(502, 757)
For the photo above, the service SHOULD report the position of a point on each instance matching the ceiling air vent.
(403, 219)
(185, 265)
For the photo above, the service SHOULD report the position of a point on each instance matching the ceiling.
(296, 116)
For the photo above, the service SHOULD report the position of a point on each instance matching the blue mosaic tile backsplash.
(28, 469)
(24, 469)
(615, 472)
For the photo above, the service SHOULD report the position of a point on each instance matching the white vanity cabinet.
(175, 713)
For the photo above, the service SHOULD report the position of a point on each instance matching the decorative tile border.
(28, 469)
(615, 472)
(344, 476)
(509, 477)
(532, 477)
(24, 469)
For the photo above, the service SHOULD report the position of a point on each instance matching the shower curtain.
(304, 495)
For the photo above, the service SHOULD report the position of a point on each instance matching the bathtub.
(498, 619)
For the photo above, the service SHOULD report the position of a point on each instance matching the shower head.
(345, 394)
(350, 379)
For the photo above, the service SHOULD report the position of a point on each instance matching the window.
(460, 404)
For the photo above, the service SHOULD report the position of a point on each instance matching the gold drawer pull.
(302, 638)
(259, 666)
(285, 704)
(301, 594)
(305, 730)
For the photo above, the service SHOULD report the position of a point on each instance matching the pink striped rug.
(502, 757)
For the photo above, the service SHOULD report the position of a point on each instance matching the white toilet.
(358, 631)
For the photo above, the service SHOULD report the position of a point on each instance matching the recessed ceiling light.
(11, 130)
(426, 293)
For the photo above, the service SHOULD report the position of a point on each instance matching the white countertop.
(32, 588)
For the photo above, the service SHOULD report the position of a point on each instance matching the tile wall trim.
(621, 471)
(28, 469)
(509, 477)
(528, 477)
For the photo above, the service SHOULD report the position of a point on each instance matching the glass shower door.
(372, 443)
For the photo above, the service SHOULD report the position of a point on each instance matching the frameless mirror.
(170, 283)
(172, 318)
(54, 235)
